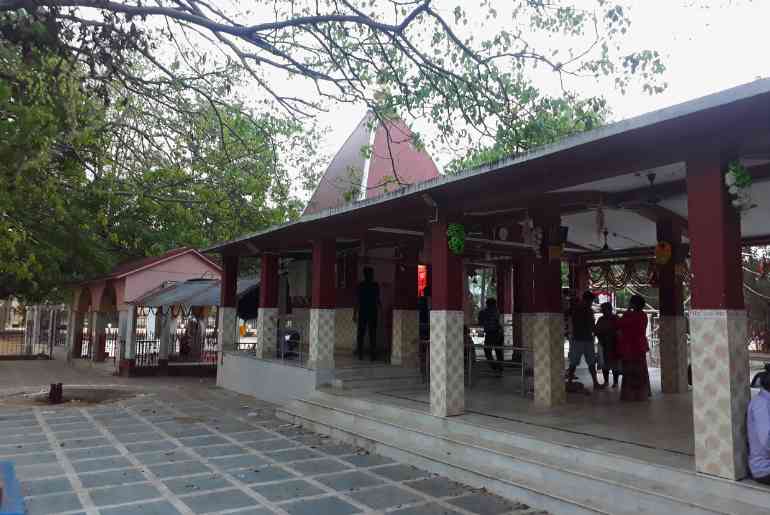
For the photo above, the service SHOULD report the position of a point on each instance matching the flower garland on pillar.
(532, 236)
(738, 182)
(456, 238)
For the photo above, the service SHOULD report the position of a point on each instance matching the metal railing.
(517, 360)
(12, 343)
(147, 351)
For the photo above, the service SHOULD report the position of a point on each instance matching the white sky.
(707, 45)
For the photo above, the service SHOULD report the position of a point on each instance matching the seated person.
(758, 427)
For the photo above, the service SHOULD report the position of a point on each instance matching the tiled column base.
(227, 336)
(406, 335)
(300, 318)
(447, 372)
(321, 339)
(344, 329)
(720, 377)
(507, 320)
(267, 332)
(544, 334)
(673, 353)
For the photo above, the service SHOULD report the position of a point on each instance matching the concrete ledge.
(267, 380)
(12, 502)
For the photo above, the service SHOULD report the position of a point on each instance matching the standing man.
(582, 341)
(758, 428)
(365, 313)
(489, 319)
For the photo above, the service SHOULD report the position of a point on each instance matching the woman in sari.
(632, 349)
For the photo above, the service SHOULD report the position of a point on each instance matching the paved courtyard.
(193, 448)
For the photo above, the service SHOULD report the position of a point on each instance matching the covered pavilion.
(184, 337)
(688, 147)
(103, 322)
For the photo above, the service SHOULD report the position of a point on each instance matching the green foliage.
(456, 238)
(740, 173)
(85, 183)
(550, 120)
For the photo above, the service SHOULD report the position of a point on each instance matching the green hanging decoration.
(456, 238)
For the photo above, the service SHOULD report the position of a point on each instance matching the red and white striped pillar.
(542, 320)
(447, 372)
(718, 325)
(227, 335)
(322, 311)
(267, 311)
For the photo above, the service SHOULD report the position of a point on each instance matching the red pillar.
(268, 284)
(229, 289)
(546, 273)
(324, 259)
(670, 289)
(322, 313)
(504, 300)
(719, 355)
(267, 313)
(446, 271)
(542, 320)
(672, 328)
(406, 281)
(447, 378)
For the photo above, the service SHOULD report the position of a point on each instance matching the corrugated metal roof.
(195, 292)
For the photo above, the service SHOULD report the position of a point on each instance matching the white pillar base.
(506, 319)
(447, 364)
(672, 333)
(345, 330)
(544, 334)
(227, 336)
(321, 332)
(721, 393)
(267, 332)
(406, 338)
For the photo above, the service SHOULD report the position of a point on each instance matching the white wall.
(270, 381)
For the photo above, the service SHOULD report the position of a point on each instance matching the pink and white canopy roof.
(377, 157)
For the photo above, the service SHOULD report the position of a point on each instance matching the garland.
(456, 238)
(738, 183)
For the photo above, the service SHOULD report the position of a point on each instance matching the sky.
(707, 46)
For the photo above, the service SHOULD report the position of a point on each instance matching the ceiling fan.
(651, 197)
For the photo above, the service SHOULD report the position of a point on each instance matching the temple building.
(651, 200)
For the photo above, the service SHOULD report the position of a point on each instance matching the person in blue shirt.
(758, 426)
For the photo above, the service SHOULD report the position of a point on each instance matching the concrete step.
(379, 383)
(573, 456)
(559, 482)
(376, 371)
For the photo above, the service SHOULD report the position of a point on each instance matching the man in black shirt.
(365, 313)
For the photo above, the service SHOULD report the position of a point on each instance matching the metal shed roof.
(195, 292)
